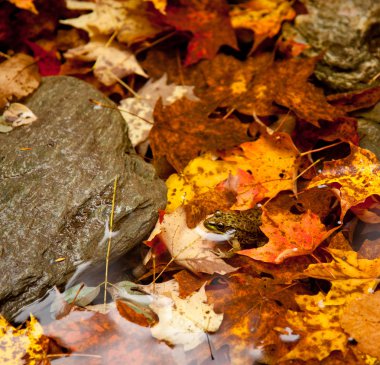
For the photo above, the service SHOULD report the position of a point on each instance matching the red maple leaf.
(210, 24)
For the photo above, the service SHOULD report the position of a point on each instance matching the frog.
(244, 225)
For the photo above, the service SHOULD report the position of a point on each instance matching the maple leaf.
(251, 312)
(361, 320)
(18, 78)
(143, 105)
(289, 234)
(272, 161)
(112, 62)
(320, 331)
(208, 21)
(264, 17)
(187, 247)
(201, 175)
(25, 4)
(188, 130)
(107, 338)
(355, 177)
(127, 18)
(248, 191)
(20, 345)
(48, 62)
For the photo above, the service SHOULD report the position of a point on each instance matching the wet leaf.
(18, 346)
(185, 321)
(18, 78)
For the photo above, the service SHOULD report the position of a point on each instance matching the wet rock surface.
(56, 196)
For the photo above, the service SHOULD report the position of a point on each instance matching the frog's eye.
(220, 225)
(218, 214)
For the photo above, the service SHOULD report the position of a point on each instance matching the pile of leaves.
(238, 107)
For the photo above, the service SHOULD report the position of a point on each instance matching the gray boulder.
(56, 197)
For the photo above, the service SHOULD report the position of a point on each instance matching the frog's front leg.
(231, 252)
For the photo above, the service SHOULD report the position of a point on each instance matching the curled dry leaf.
(127, 18)
(18, 114)
(112, 61)
(18, 78)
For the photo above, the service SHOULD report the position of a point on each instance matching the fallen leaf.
(272, 161)
(250, 316)
(107, 338)
(160, 5)
(201, 175)
(128, 19)
(289, 234)
(264, 17)
(143, 105)
(357, 99)
(185, 321)
(25, 4)
(18, 78)
(48, 63)
(18, 345)
(355, 177)
(188, 130)
(19, 114)
(208, 21)
(188, 282)
(360, 320)
(187, 247)
(112, 62)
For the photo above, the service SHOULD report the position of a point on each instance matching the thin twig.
(109, 242)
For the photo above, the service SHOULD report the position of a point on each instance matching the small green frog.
(244, 224)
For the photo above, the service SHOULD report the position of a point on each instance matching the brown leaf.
(18, 78)
(361, 319)
(188, 282)
(183, 130)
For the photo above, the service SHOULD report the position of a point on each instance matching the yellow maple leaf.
(272, 160)
(356, 176)
(199, 176)
(18, 346)
(264, 17)
(318, 322)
